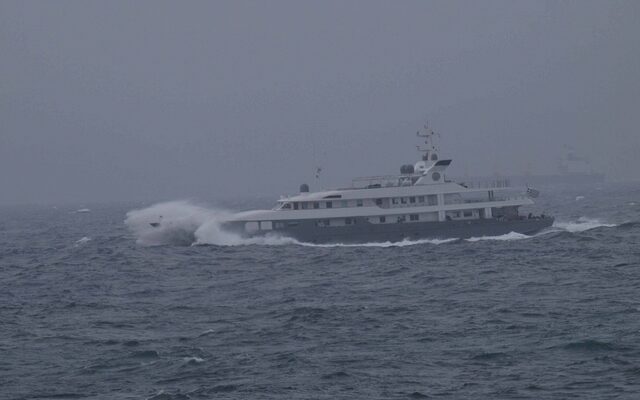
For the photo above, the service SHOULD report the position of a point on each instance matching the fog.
(151, 100)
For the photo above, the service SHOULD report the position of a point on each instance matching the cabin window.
(378, 202)
(323, 222)
(344, 204)
(468, 213)
(266, 225)
(316, 204)
(403, 200)
(401, 219)
(432, 200)
(295, 205)
(414, 217)
(394, 200)
(287, 206)
(383, 220)
(278, 225)
(412, 200)
(359, 203)
(293, 223)
(328, 204)
(252, 226)
(348, 221)
(304, 205)
(420, 199)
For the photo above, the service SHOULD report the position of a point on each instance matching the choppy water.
(86, 312)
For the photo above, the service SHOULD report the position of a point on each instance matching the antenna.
(316, 162)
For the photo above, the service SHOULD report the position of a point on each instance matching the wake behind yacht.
(418, 203)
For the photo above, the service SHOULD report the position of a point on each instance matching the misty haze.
(319, 199)
(106, 101)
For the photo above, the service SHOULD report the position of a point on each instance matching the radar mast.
(429, 150)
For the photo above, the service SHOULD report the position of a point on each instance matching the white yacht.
(420, 202)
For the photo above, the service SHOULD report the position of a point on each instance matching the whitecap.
(193, 359)
(82, 240)
(505, 237)
(582, 224)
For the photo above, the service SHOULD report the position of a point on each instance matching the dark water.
(554, 316)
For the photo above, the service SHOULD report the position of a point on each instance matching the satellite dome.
(407, 169)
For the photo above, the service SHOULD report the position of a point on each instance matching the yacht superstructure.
(420, 202)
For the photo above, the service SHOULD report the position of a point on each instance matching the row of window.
(384, 219)
(431, 200)
(353, 221)
(306, 205)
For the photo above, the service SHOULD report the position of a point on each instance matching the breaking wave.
(583, 224)
(178, 223)
(507, 236)
(185, 224)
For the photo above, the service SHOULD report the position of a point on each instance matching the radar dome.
(407, 169)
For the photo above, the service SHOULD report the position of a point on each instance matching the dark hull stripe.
(364, 232)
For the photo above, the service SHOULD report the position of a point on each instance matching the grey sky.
(111, 100)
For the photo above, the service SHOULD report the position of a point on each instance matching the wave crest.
(583, 224)
(505, 237)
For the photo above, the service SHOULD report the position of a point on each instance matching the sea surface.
(93, 307)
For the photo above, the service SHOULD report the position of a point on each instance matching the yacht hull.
(366, 232)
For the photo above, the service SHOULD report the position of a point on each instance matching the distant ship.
(571, 169)
(418, 203)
